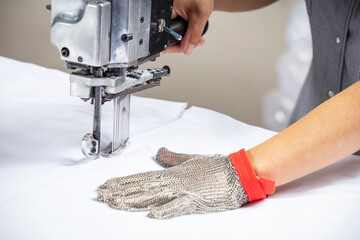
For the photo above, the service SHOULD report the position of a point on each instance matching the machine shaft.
(121, 122)
(97, 114)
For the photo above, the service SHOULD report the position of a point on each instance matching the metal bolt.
(338, 40)
(80, 59)
(141, 42)
(142, 19)
(161, 24)
(65, 52)
(126, 37)
(93, 143)
(331, 93)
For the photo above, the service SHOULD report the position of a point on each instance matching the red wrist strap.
(255, 188)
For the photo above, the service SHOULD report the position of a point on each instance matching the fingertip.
(189, 49)
(183, 45)
(188, 52)
(173, 14)
(161, 151)
(173, 49)
(156, 214)
(200, 42)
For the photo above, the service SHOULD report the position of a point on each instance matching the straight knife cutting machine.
(106, 41)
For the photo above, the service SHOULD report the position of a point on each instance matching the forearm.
(326, 135)
(240, 5)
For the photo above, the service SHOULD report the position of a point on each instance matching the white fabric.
(41, 127)
(48, 191)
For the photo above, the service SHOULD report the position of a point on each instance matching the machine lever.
(173, 33)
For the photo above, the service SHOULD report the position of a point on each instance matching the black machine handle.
(180, 25)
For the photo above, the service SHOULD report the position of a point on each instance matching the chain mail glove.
(189, 184)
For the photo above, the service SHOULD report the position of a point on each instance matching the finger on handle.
(193, 33)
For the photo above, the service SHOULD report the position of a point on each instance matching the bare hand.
(196, 12)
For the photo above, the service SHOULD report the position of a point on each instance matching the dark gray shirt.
(335, 28)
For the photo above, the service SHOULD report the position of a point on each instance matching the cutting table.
(48, 188)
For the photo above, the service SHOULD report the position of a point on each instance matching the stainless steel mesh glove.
(190, 184)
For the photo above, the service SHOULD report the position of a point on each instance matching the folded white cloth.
(41, 127)
(48, 191)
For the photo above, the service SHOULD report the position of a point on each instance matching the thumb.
(167, 158)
